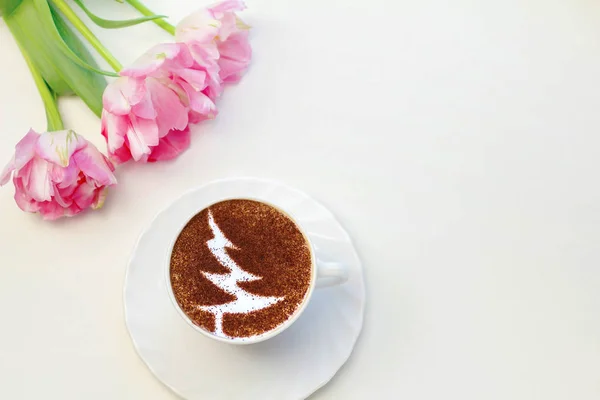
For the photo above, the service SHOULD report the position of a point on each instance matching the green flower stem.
(87, 34)
(147, 12)
(53, 117)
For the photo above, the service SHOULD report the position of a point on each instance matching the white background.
(458, 143)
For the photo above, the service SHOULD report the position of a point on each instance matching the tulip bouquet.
(146, 109)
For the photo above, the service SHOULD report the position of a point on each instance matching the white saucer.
(292, 365)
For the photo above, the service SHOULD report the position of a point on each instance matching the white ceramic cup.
(323, 274)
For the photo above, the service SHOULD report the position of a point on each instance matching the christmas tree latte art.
(240, 269)
(244, 302)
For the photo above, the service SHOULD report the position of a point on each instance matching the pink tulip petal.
(24, 173)
(40, 185)
(183, 59)
(63, 201)
(57, 173)
(205, 58)
(24, 152)
(142, 134)
(171, 146)
(114, 100)
(25, 149)
(152, 60)
(114, 128)
(58, 147)
(24, 202)
(69, 176)
(232, 70)
(237, 47)
(199, 102)
(216, 21)
(205, 55)
(93, 164)
(235, 56)
(200, 26)
(145, 109)
(99, 198)
(122, 154)
(228, 26)
(213, 93)
(72, 210)
(7, 171)
(85, 195)
(52, 211)
(120, 95)
(171, 114)
(66, 191)
(195, 78)
(214, 88)
(196, 118)
(227, 6)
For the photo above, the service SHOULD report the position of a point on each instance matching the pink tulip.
(219, 25)
(58, 174)
(147, 110)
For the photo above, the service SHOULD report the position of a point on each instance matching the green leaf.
(112, 24)
(45, 13)
(35, 40)
(62, 8)
(87, 85)
(53, 48)
(53, 118)
(8, 6)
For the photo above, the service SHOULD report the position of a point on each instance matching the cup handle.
(330, 274)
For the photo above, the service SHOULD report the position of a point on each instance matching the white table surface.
(457, 143)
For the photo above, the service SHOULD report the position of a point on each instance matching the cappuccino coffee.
(240, 268)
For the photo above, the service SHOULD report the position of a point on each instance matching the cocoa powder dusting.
(268, 245)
